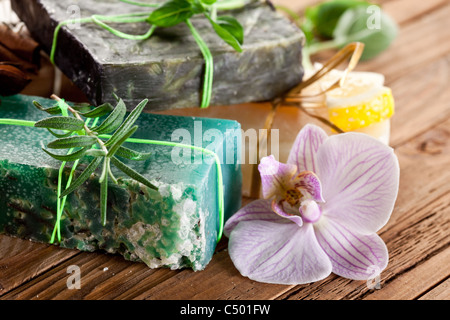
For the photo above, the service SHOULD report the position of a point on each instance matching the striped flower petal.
(279, 209)
(280, 253)
(275, 176)
(352, 254)
(305, 147)
(255, 210)
(360, 178)
(309, 185)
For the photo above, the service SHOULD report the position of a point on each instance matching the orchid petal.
(304, 149)
(271, 252)
(352, 254)
(279, 209)
(275, 176)
(309, 184)
(360, 178)
(256, 210)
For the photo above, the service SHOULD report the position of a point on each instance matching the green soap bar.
(167, 68)
(176, 226)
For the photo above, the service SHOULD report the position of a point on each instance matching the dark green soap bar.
(176, 226)
(168, 68)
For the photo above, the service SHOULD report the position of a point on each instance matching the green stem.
(62, 202)
(141, 4)
(121, 18)
(104, 190)
(325, 45)
(97, 20)
(56, 33)
(209, 66)
(231, 4)
(15, 122)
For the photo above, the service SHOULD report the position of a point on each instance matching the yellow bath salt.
(362, 104)
(361, 110)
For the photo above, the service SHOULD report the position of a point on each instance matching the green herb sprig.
(82, 140)
(171, 13)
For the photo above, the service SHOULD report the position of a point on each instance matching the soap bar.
(176, 226)
(168, 68)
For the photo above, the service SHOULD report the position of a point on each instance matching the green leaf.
(132, 154)
(58, 135)
(233, 26)
(69, 157)
(81, 107)
(230, 30)
(132, 173)
(82, 177)
(72, 142)
(129, 121)
(326, 15)
(208, 2)
(114, 120)
(171, 13)
(354, 26)
(51, 110)
(99, 111)
(119, 142)
(61, 123)
(309, 23)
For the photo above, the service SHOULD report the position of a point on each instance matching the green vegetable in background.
(333, 24)
(324, 17)
(354, 25)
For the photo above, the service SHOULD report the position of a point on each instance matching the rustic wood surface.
(417, 68)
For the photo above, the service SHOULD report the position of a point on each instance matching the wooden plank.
(102, 276)
(418, 43)
(441, 292)
(406, 11)
(412, 284)
(422, 100)
(220, 280)
(22, 260)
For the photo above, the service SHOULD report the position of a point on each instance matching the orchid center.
(292, 196)
(310, 211)
(300, 196)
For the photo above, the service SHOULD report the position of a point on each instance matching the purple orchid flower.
(320, 213)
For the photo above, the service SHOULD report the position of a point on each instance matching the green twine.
(209, 68)
(61, 202)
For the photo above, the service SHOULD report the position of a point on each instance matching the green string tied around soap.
(169, 14)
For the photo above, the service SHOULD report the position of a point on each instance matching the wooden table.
(417, 68)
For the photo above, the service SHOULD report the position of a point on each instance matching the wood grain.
(410, 285)
(440, 292)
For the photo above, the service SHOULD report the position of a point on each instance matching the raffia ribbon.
(307, 102)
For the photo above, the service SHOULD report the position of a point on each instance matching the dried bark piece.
(20, 44)
(12, 79)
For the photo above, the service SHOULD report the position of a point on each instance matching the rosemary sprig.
(82, 140)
